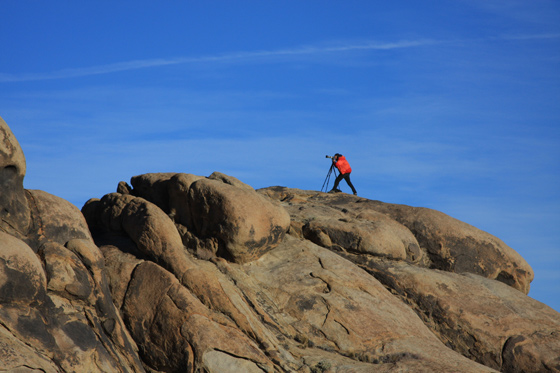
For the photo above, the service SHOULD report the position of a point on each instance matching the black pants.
(345, 177)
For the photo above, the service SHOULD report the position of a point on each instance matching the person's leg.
(347, 178)
(336, 182)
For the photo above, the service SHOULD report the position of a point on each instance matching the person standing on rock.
(344, 168)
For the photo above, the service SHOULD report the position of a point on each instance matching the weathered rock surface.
(325, 303)
(56, 309)
(471, 314)
(485, 320)
(184, 273)
(458, 247)
(446, 243)
(244, 223)
(14, 215)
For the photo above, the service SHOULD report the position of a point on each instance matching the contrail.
(141, 64)
(239, 56)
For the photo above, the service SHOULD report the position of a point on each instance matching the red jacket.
(343, 165)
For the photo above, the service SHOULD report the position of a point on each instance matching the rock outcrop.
(15, 215)
(184, 273)
(56, 309)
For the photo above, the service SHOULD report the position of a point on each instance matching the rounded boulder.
(246, 223)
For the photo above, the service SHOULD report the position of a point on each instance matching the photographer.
(344, 168)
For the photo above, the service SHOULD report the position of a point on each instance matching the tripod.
(326, 183)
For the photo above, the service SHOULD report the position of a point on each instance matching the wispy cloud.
(246, 56)
(230, 57)
(251, 56)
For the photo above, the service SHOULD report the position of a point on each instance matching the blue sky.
(452, 105)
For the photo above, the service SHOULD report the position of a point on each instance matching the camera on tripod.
(328, 156)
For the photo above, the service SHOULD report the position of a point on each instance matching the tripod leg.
(327, 180)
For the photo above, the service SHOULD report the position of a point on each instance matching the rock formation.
(56, 309)
(184, 273)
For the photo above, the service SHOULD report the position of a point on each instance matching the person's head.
(336, 156)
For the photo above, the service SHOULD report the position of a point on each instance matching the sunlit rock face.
(184, 273)
(56, 308)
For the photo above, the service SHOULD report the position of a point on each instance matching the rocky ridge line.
(179, 272)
